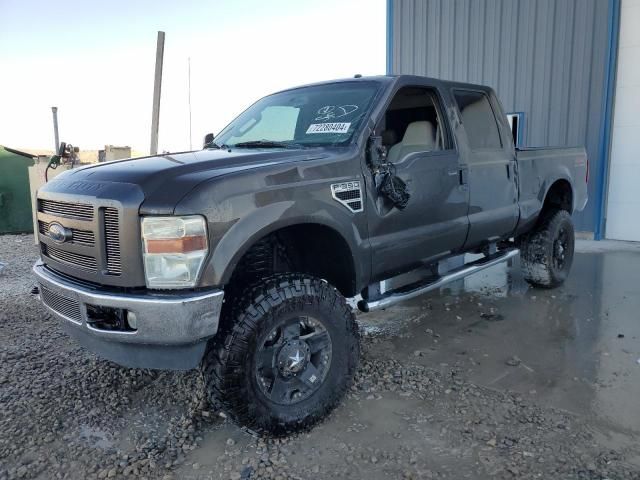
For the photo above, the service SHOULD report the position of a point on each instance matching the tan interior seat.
(419, 137)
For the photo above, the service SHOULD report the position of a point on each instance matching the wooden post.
(189, 96)
(55, 130)
(157, 86)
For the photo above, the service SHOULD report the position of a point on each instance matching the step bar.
(408, 292)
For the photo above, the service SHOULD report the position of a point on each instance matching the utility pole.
(157, 85)
(55, 130)
(189, 66)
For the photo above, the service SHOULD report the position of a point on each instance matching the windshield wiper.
(264, 144)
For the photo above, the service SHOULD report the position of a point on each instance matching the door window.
(478, 120)
(413, 124)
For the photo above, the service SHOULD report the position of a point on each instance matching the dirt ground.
(488, 378)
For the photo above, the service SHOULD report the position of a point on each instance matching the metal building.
(553, 62)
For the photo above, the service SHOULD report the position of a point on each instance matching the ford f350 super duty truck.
(237, 259)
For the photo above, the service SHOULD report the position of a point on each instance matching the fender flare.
(551, 180)
(268, 219)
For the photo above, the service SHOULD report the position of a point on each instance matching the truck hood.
(165, 179)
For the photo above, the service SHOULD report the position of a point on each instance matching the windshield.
(309, 116)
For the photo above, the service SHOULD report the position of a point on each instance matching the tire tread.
(535, 257)
(228, 349)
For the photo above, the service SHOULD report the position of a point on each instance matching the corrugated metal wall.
(546, 58)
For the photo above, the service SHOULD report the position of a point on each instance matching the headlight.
(174, 249)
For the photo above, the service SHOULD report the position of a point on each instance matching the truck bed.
(539, 168)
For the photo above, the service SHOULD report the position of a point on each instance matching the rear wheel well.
(312, 249)
(559, 197)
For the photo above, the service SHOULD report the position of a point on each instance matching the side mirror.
(208, 139)
(377, 151)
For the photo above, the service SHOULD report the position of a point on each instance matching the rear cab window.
(478, 120)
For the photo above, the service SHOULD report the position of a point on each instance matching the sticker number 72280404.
(329, 127)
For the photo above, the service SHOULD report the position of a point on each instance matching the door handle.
(462, 175)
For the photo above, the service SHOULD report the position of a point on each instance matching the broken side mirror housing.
(208, 138)
(377, 151)
(393, 188)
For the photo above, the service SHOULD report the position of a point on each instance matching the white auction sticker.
(328, 128)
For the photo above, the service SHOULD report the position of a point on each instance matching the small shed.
(15, 196)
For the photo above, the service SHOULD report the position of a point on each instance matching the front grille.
(63, 305)
(74, 259)
(79, 237)
(112, 241)
(97, 239)
(67, 209)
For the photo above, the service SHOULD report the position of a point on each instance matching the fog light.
(132, 320)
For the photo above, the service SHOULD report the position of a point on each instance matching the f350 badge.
(348, 194)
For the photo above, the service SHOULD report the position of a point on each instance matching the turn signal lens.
(176, 245)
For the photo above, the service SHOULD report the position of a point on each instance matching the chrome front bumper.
(172, 329)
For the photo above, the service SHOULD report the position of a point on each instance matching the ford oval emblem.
(58, 233)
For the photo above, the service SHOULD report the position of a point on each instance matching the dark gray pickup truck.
(237, 259)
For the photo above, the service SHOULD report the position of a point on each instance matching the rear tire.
(286, 355)
(546, 253)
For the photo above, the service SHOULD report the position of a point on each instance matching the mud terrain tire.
(262, 324)
(546, 253)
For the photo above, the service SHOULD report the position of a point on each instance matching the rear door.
(488, 170)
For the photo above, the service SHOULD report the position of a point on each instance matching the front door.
(422, 154)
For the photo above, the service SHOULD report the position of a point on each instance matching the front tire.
(546, 253)
(285, 356)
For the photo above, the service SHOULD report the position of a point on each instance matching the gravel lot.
(66, 414)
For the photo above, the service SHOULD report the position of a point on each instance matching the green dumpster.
(15, 195)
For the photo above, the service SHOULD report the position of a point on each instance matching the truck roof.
(388, 79)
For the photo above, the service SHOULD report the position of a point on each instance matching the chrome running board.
(415, 289)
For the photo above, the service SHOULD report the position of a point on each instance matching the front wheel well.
(312, 249)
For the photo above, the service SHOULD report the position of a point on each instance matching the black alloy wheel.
(560, 248)
(293, 361)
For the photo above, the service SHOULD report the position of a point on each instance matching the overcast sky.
(94, 60)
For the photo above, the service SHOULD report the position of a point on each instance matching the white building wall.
(623, 206)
